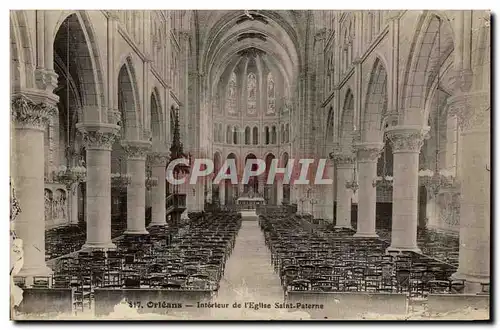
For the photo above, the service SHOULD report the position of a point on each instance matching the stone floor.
(249, 277)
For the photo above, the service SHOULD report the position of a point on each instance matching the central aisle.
(249, 277)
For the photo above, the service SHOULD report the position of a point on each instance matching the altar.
(247, 204)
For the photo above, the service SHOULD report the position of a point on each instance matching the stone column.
(345, 168)
(30, 115)
(329, 193)
(73, 203)
(98, 140)
(473, 113)
(136, 190)
(262, 181)
(367, 155)
(279, 191)
(222, 193)
(158, 193)
(406, 142)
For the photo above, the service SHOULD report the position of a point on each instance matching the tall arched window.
(282, 133)
(231, 94)
(267, 135)
(247, 135)
(255, 134)
(287, 133)
(252, 93)
(228, 135)
(273, 135)
(271, 94)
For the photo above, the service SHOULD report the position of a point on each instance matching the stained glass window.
(271, 94)
(252, 93)
(231, 94)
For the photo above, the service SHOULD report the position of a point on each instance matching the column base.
(34, 271)
(399, 250)
(136, 232)
(473, 284)
(471, 278)
(100, 246)
(342, 227)
(367, 235)
(158, 224)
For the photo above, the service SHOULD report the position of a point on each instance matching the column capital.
(137, 149)
(158, 159)
(407, 138)
(343, 158)
(45, 80)
(473, 110)
(31, 110)
(98, 136)
(368, 151)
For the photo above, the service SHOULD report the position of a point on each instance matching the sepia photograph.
(250, 165)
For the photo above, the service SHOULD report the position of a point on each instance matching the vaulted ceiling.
(227, 35)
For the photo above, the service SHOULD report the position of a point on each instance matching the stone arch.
(330, 127)
(432, 44)
(274, 135)
(347, 121)
(22, 55)
(156, 115)
(236, 134)
(255, 135)
(375, 103)
(74, 57)
(88, 54)
(247, 135)
(128, 102)
(481, 54)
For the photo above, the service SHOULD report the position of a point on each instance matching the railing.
(175, 202)
(265, 209)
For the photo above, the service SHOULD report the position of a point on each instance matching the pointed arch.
(88, 54)
(330, 124)
(255, 135)
(347, 120)
(433, 43)
(375, 106)
(274, 135)
(247, 135)
(128, 102)
(156, 115)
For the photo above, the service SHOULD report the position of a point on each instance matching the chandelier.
(353, 184)
(385, 181)
(70, 175)
(436, 181)
(120, 179)
(151, 181)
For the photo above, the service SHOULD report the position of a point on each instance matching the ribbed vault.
(226, 35)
